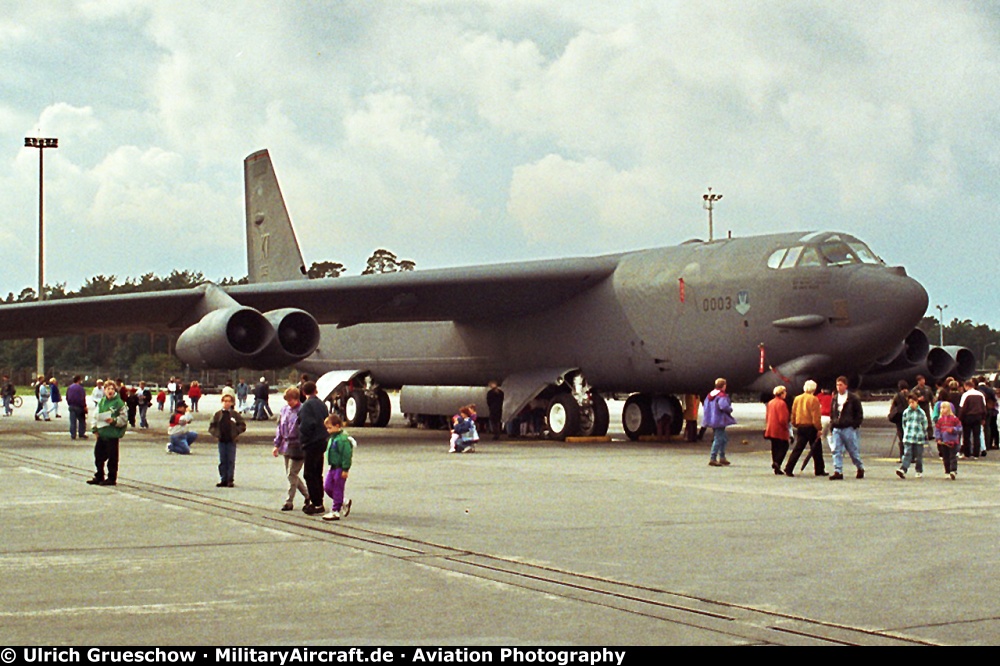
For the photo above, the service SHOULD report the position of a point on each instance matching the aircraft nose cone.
(892, 298)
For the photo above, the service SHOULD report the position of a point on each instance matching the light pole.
(941, 309)
(41, 145)
(710, 200)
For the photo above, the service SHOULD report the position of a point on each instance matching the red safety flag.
(681, 281)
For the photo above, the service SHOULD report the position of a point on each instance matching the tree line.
(135, 356)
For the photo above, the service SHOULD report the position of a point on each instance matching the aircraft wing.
(474, 293)
(461, 294)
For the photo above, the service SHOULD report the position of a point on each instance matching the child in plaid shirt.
(914, 436)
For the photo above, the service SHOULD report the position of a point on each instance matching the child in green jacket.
(339, 451)
(109, 425)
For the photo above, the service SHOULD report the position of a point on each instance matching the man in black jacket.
(846, 416)
(313, 437)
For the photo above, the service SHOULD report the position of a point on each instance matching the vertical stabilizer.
(273, 253)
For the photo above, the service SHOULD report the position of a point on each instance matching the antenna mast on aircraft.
(710, 200)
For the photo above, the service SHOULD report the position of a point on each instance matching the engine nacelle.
(296, 337)
(226, 338)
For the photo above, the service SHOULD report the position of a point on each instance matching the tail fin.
(273, 253)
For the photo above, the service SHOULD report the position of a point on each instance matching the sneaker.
(836, 476)
(287, 506)
(345, 510)
(313, 509)
(713, 463)
(168, 449)
(861, 474)
(919, 475)
(952, 475)
(789, 472)
(900, 473)
(333, 515)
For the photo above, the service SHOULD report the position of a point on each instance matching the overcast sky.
(460, 132)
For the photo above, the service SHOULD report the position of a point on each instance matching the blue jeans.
(227, 461)
(182, 443)
(7, 411)
(77, 422)
(913, 452)
(719, 441)
(846, 438)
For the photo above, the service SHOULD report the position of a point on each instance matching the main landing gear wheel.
(594, 419)
(563, 416)
(637, 416)
(356, 409)
(379, 409)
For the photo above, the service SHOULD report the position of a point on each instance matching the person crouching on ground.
(109, 426)
(948, 433)
(286, 443)
(339, 452)
(226, 426)
(181, 438)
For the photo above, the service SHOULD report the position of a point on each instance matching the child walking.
(339, 452)
(226, 426)
(948, 433)
(914, 435)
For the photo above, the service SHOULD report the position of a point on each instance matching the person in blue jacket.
(718, 416)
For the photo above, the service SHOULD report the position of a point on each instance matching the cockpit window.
(791, 257)
(810, 257)
(864, 254)
(836, 252)
(823, 249)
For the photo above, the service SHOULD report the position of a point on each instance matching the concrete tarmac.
(522, 543)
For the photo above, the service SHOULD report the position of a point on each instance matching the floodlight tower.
(41, 145)
(710, 200)
(941, 309)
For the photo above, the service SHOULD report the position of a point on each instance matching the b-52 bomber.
(652, 324)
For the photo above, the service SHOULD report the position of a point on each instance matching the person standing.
(76, 403)
(948, 433)
(144, 398)
(691, 404)
(339, 453)
(7, 392)
(991, 437)
(97, 394)
(807, 419)
(313, 437)
(718, 417)
(287, 444)
(44, 392)
(55, 397)
(172, 393)
(494, 402)
(899, 404)
(194, 394)
(109, 426)
(914, 436)
(776, 428)
(846, 417)
(925, 398)
(972, 414)
(261, 408)
(226, 426)
(242, 391)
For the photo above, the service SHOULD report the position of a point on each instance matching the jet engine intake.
(225, 338)
(296, 337)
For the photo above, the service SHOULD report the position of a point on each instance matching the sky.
(457, 132)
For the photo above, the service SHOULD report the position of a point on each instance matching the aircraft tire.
(637, 416)
(356, 409)
(676, 415)
(563, 416)
(380, 409)
(594, 422)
